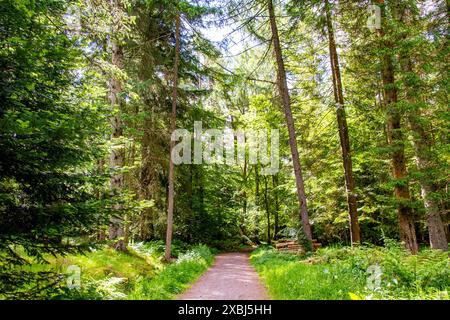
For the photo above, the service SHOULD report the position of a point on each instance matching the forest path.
(231, 277)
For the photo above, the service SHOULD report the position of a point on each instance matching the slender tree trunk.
(277, 206)
(190, 188)
(423, 152)
(117, 158)
(170, 204)
(145, 179)
(396, 142)
(244, 194)
(202, 192)
(256, 203)
(286, 101)
(101, 235)
(355, 236)
(128, 181)
(266, 200)
(436, 230)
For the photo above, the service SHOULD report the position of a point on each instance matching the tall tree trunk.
(277, 206)
(117, 158)
(286, 101)
(172, 143)
(101, 235)
(436, 230)
(396, 142)
(256, 203)
(355, 235)
(266, 201)
(145, 224)
(422, 147)
(202, 191)
(244, 195)
(147, 172)
(128, 181)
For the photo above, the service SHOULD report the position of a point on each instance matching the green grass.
(139, 273)
(289, 278)
(108, 274)
(354, 273)
(110, 263)
(176, 277)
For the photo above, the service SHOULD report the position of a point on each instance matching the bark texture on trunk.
(399, 173)
(266, 201)
(396, 142)
(355, 234)
(147, 176)
(257, 203)
(286, 101)
(170, 204)
(277, 205)
(244, 195)
(422, 143)
(117, 157)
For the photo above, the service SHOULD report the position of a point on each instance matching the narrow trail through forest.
(231, 277)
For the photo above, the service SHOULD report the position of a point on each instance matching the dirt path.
(231, 277)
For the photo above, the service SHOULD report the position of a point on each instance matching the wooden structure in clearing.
(292, 246)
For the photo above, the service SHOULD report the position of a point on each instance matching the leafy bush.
(288, 277)
(174, 278)
(107, 274)
(229, 245)
(358, 273)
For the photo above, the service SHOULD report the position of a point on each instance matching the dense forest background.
(91, 90)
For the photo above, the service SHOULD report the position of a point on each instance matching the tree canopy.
(92, 91)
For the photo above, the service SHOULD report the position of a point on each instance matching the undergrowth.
(354, 273)
(139, 273)
(176, 277)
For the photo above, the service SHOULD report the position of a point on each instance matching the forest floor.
(231, 277)
(364, 272)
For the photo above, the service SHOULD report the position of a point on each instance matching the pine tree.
(396, 141)
(50, 136)
(355, 236)
(117, 159)
(286, 102)
(172, 143)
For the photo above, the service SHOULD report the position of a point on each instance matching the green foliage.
(403, 276)
(55, 200)
(229, 245)
(176, 277)
(344, 273)
(49, 138)
(107, 274)
(288, 277)
(99, 264)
